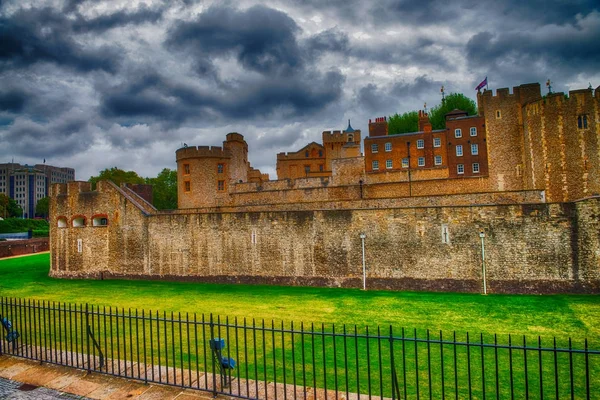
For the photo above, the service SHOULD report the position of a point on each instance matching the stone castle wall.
(529, 247)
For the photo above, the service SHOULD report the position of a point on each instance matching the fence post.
(87, 336)
(395, 388)
(214, 370)
(1, 313)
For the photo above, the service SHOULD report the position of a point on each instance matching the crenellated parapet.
(202, 152)
(341, 137)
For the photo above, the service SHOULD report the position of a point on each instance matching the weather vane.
(549, 85)
(425, 106)
(443, 93)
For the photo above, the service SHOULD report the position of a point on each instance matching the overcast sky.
(96, 84)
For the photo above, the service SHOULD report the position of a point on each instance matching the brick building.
(315, 160)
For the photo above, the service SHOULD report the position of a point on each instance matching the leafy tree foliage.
(9, 207)
(164, 186)
(42, 207)
(164, 189)
(117, 176)
(407, 122)
(453, 101)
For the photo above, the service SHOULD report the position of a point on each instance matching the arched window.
(350, 138)
(100, 220)
(78, 221)
(62, 222)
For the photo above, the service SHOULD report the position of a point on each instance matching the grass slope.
(562, 316)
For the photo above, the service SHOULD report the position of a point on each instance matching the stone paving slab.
(81, 385)
(55, 382)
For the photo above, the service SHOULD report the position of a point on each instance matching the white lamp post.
(482, 236)
(362, 239)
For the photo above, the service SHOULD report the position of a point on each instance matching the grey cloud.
(331, 40)
(158, 98)
(142, 14)
(34, 35)
(262, 39)
(567, 49)
(424, 12)
(64, 137)
(390, 99)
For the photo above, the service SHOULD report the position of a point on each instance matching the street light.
(362, 239)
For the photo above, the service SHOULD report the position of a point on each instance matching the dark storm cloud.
(331, 40)
(43, 35)
(262, 39)
(423, 12)
(12, 100)
(540, 12)
(570, 49)
(387, 99)
(420, 53)
(157, 98)
(142, 14)
(63, 137)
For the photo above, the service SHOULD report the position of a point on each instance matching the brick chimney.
(424, 124)
(379, 127)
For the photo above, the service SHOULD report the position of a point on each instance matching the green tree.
(453, 101)
(117, 176)
(42, 208)
(407, 122)
(9, 207)
(164, 189)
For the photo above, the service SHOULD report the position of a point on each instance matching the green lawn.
(264, 354)
(562, 316)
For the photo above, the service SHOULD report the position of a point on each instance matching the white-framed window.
(437, 142)
(388, 164)
(374, 148)
(421, 161)
(388, 146)
(79, 245)
(473, 131)
(405, 163)
(457, 133)
(420, 144)
(475, 168)
(438, 160)
(474, 149)
(100, 221)
(375, 164)
(460, 168)
(78, 222)
(459, 150)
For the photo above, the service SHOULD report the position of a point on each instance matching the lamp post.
(362, 239)
(482, 236)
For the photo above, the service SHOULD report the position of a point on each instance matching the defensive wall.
(12, 248)
(530, 248)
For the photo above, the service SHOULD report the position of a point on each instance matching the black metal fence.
(279, 361)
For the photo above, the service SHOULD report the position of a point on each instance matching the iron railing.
(246, 359)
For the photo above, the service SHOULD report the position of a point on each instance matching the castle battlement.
(340, 136)
(523, 93)
(202, 152)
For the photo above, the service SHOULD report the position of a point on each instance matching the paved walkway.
(53, 382)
